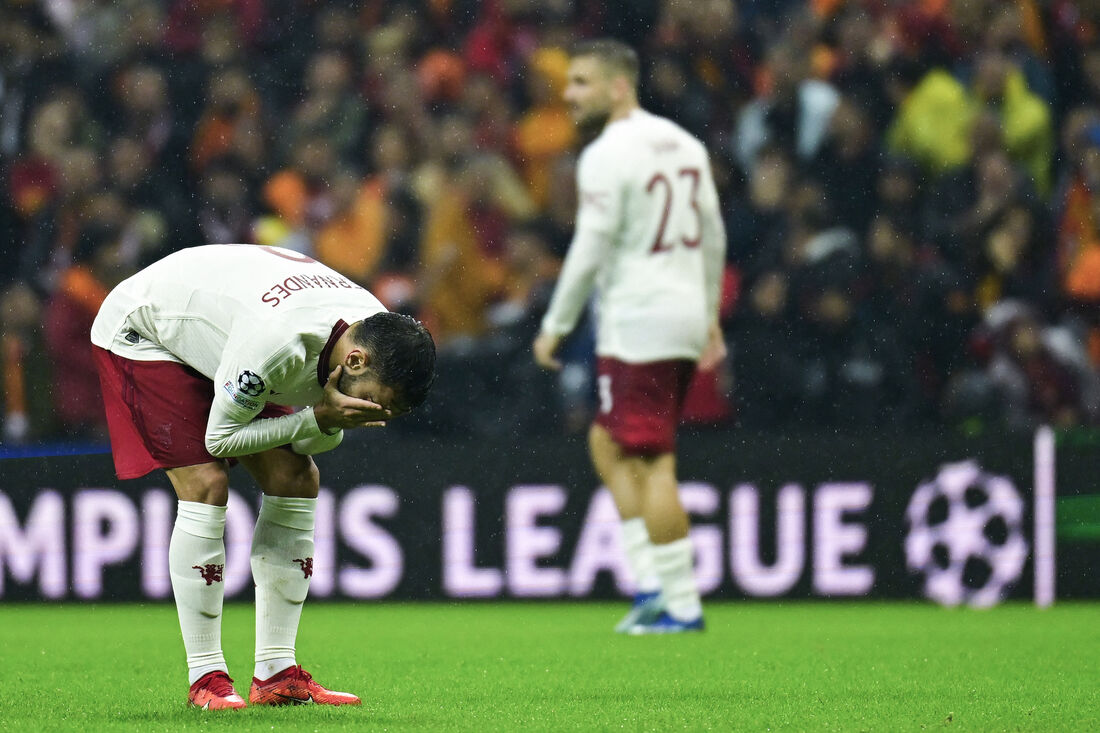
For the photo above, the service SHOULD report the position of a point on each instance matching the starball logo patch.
(250, 383)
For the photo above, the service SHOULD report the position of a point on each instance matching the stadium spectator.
(462, 251)
(1034, 372)
(377, 237)
(224, 214)
(545, 132)
(1079, 228)
(188, 22)
(854, 368)
(33, 64)
(848, 165)
(1024, 118)
(492, 115)
(349, 239)
(330, 108)
(764, 341)
(20, 312)
(99, 264)
(998, 185)
(932, 121)
(758, 223)
(144, 112)
(673, 90)
(863, 63)
(705, 54)
(232, 122)
(49, 235)
(908, 286)
(937, 116)
(791, 112)
(300, 195)
(531, 271)
(159, 207)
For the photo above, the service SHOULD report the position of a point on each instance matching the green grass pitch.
(527, 666)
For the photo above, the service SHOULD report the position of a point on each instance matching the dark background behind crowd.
(911, 191)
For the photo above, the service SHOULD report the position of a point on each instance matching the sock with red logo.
(196, 563)
(282, 564)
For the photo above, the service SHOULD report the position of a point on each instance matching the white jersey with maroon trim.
(257, 321)
(649, 237)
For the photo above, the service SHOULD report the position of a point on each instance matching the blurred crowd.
(911, 190)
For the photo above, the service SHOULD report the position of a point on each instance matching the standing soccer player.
(201, 356)
(649, 238)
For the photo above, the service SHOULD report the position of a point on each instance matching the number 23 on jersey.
(668, 194)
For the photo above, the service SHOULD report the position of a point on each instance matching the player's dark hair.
(402, 354)
(615, 55)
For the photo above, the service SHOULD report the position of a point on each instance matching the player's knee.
(299, 478)
(206, 484)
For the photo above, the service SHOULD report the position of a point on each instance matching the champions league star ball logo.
(250, 383)
(965, 535)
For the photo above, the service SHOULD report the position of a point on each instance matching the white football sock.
(673, 562)
(639, 555)
(196, 563)
(282, 563)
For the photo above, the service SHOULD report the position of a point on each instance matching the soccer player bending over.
(202, 357)
(649, 239)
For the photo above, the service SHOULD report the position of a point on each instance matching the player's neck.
(622, 111)
(340, 350)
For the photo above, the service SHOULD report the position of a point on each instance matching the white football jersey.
(258, 321)
(649, 237)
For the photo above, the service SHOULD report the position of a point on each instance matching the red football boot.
(295, 686)
(214, 691)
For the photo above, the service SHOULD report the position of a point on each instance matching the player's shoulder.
(600, 149)
(207, 252)
(600, 162)
(239, 251)
(644, 131)
(619, 140)
(275, 343)
(669, 129)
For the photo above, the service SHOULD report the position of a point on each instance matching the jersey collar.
(326, 353)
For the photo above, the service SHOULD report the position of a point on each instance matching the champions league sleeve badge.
(250, 383)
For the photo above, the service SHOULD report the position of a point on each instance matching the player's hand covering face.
(367, 387)
(355, 402)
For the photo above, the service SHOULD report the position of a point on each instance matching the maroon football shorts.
(639, 404)
(157, 413)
